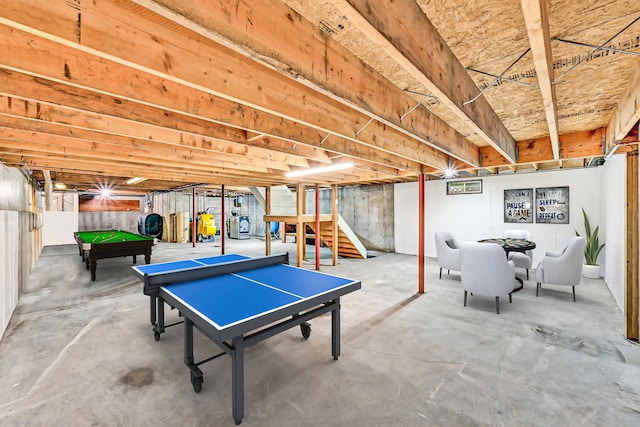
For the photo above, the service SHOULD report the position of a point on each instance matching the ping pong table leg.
(335, 330)
(237, 379)
(159, 326)
(152, 309)
(195, 372)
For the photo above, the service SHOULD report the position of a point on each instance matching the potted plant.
(592, 249)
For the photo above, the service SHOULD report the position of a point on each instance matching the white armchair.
(448, 250)
(562, 268)
(485, 271)
(520, 259)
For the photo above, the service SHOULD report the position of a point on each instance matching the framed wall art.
(518, 205)
(552, 205)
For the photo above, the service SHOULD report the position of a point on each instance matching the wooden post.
(421, 234)
(223, 227)
(300, 239)
(194, 232)
(334, 223)
(631, 293)
(267, 210)
(317, 241)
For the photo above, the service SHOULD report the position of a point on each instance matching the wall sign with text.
(518, 205)
(552, 205)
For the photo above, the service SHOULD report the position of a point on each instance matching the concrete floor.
(82, 353)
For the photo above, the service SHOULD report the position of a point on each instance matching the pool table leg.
(93, 261)
(147, 256)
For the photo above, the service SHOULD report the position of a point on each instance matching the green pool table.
(95, 245)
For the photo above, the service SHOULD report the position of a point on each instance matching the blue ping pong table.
(237, 301)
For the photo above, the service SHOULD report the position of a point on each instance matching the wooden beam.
(537, 21)
(57, 17)
(305, 57)
(117, 148)
(631, 286)
(407, 35)
(177, 176)
(124, 117)
(219, 111)
(627, 111)
(122, 52)
(293, 219)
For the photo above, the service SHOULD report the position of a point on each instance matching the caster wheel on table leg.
(305, 328)
(197, 383)
(156, 335)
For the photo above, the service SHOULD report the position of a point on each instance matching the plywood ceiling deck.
(239, 93)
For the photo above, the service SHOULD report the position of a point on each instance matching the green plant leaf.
(593, 247)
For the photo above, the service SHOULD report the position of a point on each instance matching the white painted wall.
(601, 191)
(613, 207)
(9, 266)
(58, 227)
(478, 216)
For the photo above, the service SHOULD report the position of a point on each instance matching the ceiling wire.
(498, 78)
(596, 50)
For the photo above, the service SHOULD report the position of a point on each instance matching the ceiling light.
(449, 173)
(135, 180)
(321, 169)
(59, 186)
(105, 191)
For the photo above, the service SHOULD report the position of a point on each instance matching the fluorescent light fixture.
(59, 186)
(321, 169)
(135, 180)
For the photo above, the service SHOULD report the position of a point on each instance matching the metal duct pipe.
(48, 189)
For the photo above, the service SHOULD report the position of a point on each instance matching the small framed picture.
(464, 187)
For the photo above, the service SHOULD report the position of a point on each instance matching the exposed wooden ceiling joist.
(537, 22)
(409, 37)
(627, 111)
(239, 93)
(316, 60)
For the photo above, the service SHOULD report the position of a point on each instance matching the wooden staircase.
(349, 246)
(283, 206)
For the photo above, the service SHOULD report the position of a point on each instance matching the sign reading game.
(518, 205)
(552, 205)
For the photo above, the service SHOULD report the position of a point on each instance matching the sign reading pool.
(552, 205)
